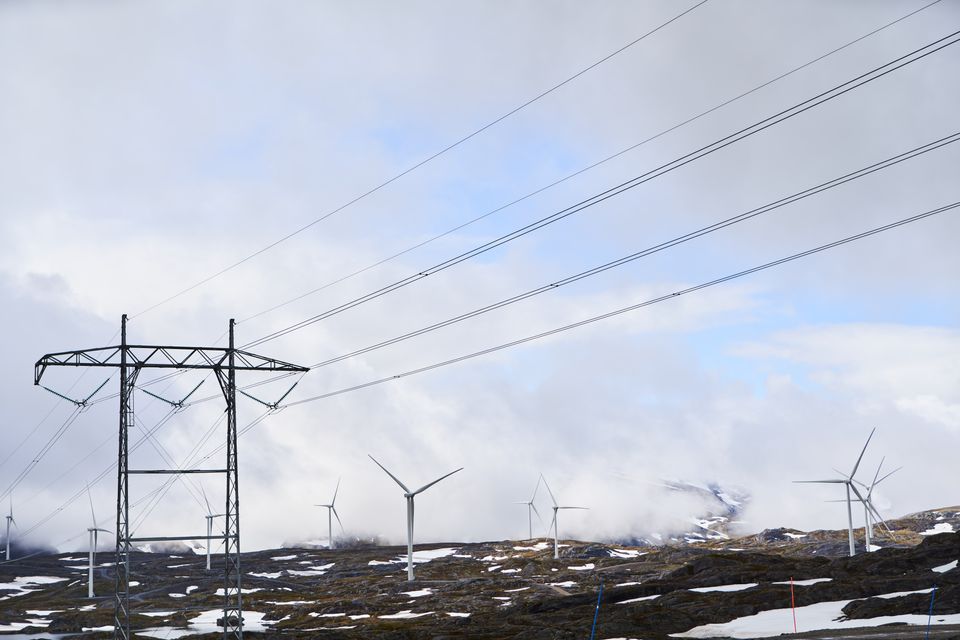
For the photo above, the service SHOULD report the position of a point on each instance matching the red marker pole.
(793, 605)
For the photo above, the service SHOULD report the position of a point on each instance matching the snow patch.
(820, 616)
(405, 614)
(942, 527)
(725, 587)
(950, 566)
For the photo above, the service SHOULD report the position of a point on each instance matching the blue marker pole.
(930, 614)
(596, 612)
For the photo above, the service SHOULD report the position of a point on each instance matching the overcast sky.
(146, 146)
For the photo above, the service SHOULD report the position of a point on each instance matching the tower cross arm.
(164, 357)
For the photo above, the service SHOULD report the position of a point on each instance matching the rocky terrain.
(716, 588)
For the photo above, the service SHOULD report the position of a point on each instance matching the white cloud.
(146, 147)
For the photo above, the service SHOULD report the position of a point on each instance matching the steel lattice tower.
(131, 360)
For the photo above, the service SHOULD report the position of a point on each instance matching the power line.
(163, 489)
(163, 421)
(48, 445)
(801, 107)
(692, 235)
(589, 167)
(421, 162)
(634, 307)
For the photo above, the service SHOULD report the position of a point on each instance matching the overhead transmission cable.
(80, 493)
(50, 443)
(190, 486)
(692, 235)
(758, 87)
(801, 107)
(421, 163)
(94, 450)
(634, 307)
(544, 188)
(582, 170)
(158, 494)
(53, 407)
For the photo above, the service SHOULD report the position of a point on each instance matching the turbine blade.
(334, 501)
(209, 510)
(337, 516)
(879, 517)
(535, 489)
(92, 513)
(877, 474)
(819, 481)
(857, 491)
(862, 451)
(888, 475)
(430, 484)
(395, 478)
(552, 497)
(587, 508)
(534, 507)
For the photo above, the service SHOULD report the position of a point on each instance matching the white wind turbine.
(209, 517)
(848, 481)
(10, 521)
(92, 553)
(553, 523)
(332, 511)
(410, 495)
(869, 509)
(532, 508)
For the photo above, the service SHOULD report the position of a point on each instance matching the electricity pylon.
(130, 359)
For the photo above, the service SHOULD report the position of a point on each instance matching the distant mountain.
(721, 508)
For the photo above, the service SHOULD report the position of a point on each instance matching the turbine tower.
(410, 495)
(10, 521)
(209, 517)
(532, 508)
(332, 511)
(92, 553)
(849, 485)
(553, 523)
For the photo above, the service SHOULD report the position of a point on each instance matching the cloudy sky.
(146, 147)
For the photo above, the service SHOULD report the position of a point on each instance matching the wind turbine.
(210, 516)
(532, 508)
(332, 511)
(410, 495)
(869, 509)
(10, 521)
(81, 404)
(93, 545)
(848, 481)
(553, 523)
